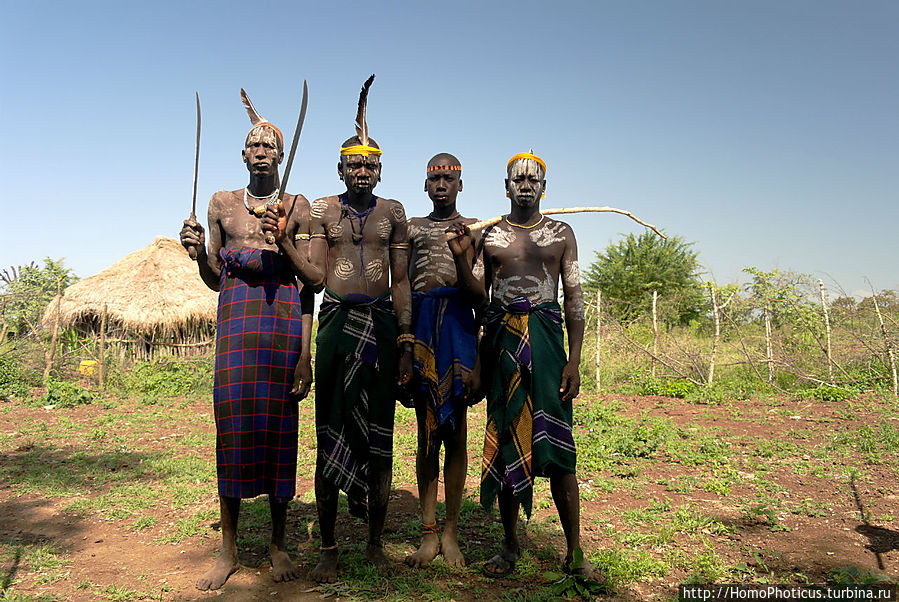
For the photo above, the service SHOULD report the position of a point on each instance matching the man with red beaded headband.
(529, 382)
(445, 352)
(263, 337)
(363, 347)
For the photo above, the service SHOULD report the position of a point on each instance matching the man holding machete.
(263, 337)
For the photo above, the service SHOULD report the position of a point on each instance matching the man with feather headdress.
(263, 339)
(364, 345)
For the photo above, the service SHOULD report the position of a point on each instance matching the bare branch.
(494, 220)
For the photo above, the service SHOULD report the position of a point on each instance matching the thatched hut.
(155, 303)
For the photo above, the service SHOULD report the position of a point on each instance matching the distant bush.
(828, 393)
(165, 378)
(66, 395)
(679, 388)
(14, 379)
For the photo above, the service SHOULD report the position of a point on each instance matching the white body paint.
(500, 238)
(318, 208)
(571, 273)
(374, 270)
(343, 269)
(548, 233)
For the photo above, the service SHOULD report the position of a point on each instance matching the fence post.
(715, 315)
(655, 333)
(598, 324)
(48, 363)
(827, 332)
(886, 342)
(769, 356)
(103, 318)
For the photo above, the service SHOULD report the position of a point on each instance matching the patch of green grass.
(764, 510)
(164, 378)
(717, 486)
(776, 449)
(811, 508)
(657, 535)
(45, 559)
(679, 388)
(61, 394)
(853, 575)
(117, 593)
(706, 567)
(689, 519)
(682, 484)
(607, 438)
(870, 441)
(9, 596)
(624, 566)
(187, 494)
(119, 502)
(189, 527)
(649, 514)
(180, 470)
(701, 449)
(145, 522)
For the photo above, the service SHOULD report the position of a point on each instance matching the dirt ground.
(841, 510)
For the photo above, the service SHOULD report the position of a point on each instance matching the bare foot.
(326, 569)
(283, 569)
(215, 577)
(449, 547)
(427, 551)
(376, 556)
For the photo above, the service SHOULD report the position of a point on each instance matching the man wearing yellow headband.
(364, 347)
(445, 351)
(529, 382)
(263, 315)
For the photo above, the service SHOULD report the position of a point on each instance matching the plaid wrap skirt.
(258, 341)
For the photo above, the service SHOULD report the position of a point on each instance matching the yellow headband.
(360, 150)
(531, 156)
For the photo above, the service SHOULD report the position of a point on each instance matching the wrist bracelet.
(405, 338)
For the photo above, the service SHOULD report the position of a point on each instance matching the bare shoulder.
(225, 195)
(222, 199)
(300, 202)
(321, 205)
(557, 228)
(558, 224)
(394, 209)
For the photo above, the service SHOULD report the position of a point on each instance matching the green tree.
(630, 270)
(29, 289)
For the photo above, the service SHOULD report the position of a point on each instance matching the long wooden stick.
(827, 331)
(655, 333)
(493, 220)
(51, 351)
(598, 328)
(886, 340)
(103, 318)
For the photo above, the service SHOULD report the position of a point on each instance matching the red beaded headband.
(447, 167)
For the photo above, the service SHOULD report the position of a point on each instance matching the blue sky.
(765, 132)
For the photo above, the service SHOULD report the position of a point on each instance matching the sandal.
(503, 563)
